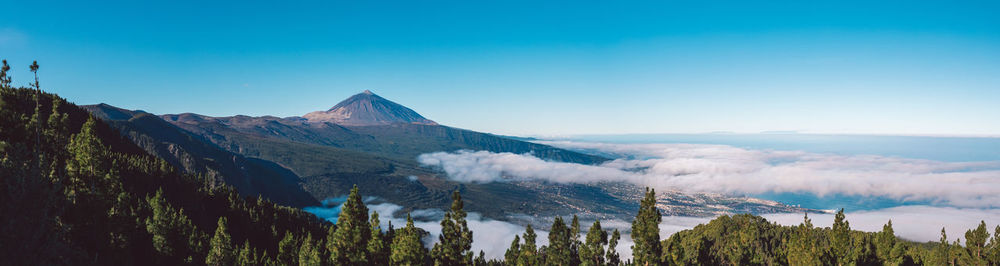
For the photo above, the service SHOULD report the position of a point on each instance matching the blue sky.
(523, 67)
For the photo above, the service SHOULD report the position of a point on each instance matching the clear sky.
(512, 67)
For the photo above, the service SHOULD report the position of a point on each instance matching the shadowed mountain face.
(192, 154)
(368, 109)
(376, 148)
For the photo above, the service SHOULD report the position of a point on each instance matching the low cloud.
(916, 223)
(727, 169)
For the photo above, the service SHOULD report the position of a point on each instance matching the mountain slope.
(191, 154)
(75, 192)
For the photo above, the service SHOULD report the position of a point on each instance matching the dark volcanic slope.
(192, 154)
(367, 109)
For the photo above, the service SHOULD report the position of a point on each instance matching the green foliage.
(220, 251)
(512, 253)
(309, 254)
(83, 194)
(592, 251)
(558, 252)
(174, 235)
(407, 248)
(529, 250)
(348, 243)
(646, 231)
(804, 246)
(975, 243)
(574, 240)
(378, 250)
(993, 249)
(288, 250)
(612, 254)
(840, 239)
(455, 242)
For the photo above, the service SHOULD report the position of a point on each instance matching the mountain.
(327, 157)
(192, 154)
(368, 109)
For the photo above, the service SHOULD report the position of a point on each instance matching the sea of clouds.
(728, 169)
(959, 194)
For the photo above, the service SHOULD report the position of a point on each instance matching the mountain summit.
(368, 109)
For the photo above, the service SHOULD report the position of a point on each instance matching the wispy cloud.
(11, 37)
(727, 169)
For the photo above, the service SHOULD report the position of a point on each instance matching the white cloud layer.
(916, 223)
(727, 169)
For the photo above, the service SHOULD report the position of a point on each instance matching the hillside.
(75, 192)
(191, 154)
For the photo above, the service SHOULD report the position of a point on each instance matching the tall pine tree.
(513, 251)
(309, 254)
(378, 250)
(348, 244)
(407, 248)
(455, 242)
(220, 251)
(646, 231)
(592, 251)
(288, 250)
(558, 252)
(840, 239)
(612, 254)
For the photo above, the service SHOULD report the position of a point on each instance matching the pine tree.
(885, 244)
(529, 250)
(558, 251)
(246, 255)
(864, 251)
(174, 236)
(5, 78)
(840, 239)
(480, 260)
(348, 244)
(942, 253)
(407, 248)
(612, 253)
(455, 242)
(378, 251)
(803, 248)
(975, 242)
(592, 251)
(309, 252)
(512, 253)
(646, 231)
(34, 70)
(288, 250)
(993, 250)
(86, 161)
(574, 240)
(221, 250)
